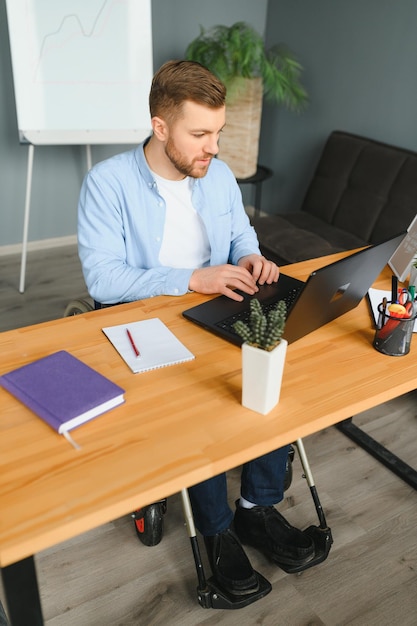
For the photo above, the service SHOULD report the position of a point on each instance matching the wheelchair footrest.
(322, 539)
(214, 597)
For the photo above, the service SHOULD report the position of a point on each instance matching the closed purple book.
(62, 390)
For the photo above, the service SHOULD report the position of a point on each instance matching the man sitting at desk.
(166, 218)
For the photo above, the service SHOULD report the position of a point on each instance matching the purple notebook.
(62, 390)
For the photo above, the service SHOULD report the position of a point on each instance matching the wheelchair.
(77, 307)
(149, 520)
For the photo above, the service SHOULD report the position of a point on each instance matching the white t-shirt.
(185, 243)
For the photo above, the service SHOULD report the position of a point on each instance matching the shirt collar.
(143, 164)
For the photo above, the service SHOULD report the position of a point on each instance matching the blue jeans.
(262, 482)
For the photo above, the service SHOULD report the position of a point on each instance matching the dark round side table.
(262, 173)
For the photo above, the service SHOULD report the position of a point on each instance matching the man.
(167, 218)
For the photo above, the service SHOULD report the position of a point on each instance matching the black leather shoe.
(267, 530)
(230, 565)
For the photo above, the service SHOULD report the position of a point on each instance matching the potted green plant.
(237, 55)
(263, 356)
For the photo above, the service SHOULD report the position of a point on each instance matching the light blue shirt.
(121, 222)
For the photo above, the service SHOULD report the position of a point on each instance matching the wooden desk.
(185, 423)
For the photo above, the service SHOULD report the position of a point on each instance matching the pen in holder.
(394, 330)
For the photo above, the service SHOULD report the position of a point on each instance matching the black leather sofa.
(363, 191)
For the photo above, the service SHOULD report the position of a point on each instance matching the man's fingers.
(262, 270)
(233, 295)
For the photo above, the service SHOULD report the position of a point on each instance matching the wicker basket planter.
(239, 143)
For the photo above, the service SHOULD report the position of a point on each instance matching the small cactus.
(263, 331)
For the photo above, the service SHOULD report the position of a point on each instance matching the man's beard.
(186, 168)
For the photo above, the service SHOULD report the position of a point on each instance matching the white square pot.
(262, 376)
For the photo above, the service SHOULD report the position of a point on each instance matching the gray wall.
(58, 170)
(360, 60)
(360, 70)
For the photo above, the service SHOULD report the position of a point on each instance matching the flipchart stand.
(29, 173)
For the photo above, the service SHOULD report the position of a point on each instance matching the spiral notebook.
(147, 345)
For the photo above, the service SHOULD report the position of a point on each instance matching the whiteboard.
(82, 70)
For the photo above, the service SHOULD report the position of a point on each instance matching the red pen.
(132, 343)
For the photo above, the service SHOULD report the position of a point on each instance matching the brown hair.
(178, 81)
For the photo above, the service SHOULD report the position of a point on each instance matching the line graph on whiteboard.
(81, 66)
(73, 28)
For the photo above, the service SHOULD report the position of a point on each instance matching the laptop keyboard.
(227, 323)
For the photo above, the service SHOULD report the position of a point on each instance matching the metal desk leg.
(22, 594)
(378, 451)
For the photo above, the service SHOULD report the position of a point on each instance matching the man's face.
(193, 138)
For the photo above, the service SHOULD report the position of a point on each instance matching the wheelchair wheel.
(76, 307)
(149, 523)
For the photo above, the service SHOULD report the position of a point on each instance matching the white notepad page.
(157, 345)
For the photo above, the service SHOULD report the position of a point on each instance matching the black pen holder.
(393, 334)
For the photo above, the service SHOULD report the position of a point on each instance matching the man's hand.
(262, 270)
(224, 278)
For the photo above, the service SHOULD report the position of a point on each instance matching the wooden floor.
(107, 578)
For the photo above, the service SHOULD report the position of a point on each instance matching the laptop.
(328, 293)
